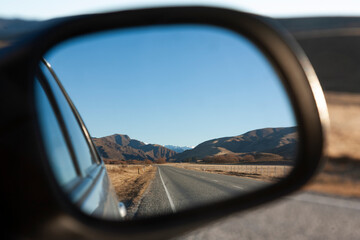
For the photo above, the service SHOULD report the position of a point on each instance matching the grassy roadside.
(340, 176)
(130, 183)
(267, 173)
(341, 173)
(254, 176)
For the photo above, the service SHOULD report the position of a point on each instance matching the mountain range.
(262, 145)
(267, 145)
(120, 147)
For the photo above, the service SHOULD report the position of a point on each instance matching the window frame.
(80, 186)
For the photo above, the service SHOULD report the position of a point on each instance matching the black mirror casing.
(35, 206)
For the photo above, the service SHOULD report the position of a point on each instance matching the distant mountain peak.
(178, 149)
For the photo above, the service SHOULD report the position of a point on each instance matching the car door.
(74, 160)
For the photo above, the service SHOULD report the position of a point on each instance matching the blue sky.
(43, 9)
(178, 85)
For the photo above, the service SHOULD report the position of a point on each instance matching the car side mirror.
(194, 113)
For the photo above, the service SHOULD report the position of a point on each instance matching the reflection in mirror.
(182, 116)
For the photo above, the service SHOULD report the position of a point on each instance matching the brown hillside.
(122, 147)
(262, 145)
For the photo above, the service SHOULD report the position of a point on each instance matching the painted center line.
(167, 193)
(237, 187)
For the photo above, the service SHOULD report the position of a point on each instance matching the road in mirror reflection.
(182, 115)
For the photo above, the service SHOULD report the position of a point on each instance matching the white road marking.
(215, 180)
(237, 187)
(167, 193)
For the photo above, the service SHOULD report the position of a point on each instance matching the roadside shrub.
(160, 161)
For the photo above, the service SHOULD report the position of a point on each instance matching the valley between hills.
(273, 146)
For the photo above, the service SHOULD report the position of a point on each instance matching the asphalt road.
(175, 188)
(300, 216)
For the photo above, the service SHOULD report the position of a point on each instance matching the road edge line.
(167, 193)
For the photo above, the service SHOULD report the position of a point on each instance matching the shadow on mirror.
(181, 115)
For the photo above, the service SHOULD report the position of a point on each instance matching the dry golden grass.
(335, 185)
(254, 176)
(344, 137)
(268, 173)
(341, 174)
(130, 182)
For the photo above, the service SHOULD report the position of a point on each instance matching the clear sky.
(44, 9)
(171, 85)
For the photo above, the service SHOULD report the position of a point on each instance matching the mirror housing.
(47, 213)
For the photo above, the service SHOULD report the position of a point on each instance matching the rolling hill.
(262, 145)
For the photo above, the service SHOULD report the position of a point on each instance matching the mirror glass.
(181, 116)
